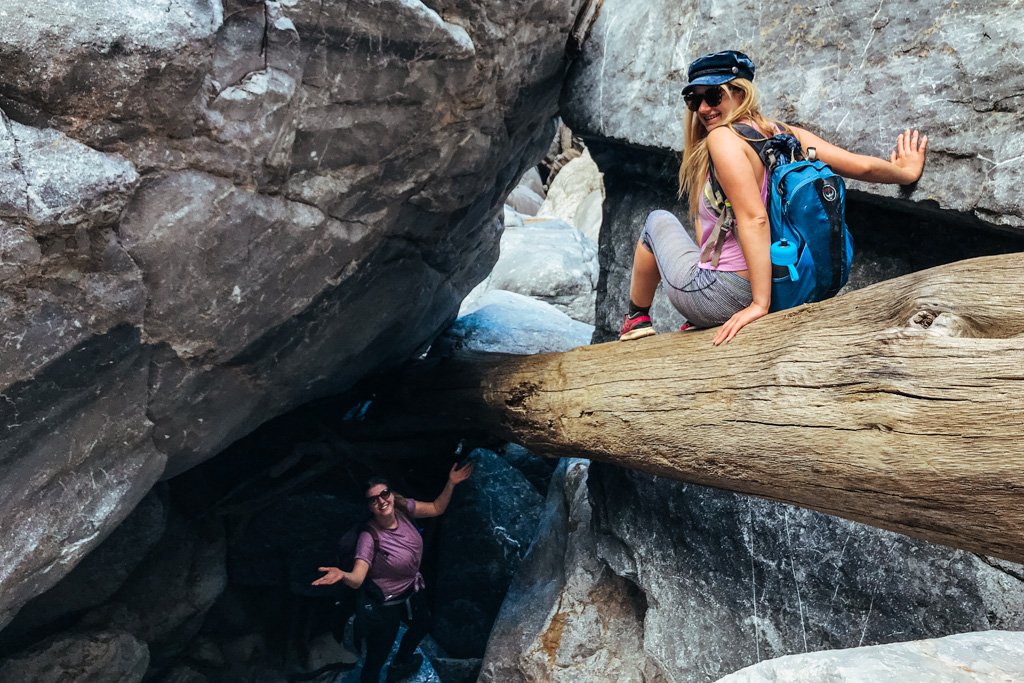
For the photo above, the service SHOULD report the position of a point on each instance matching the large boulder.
(99, 576)
(85, 657)
(505, 322)
(496, 514)
(576, 195)
(857, 73)
(548, 260)
(721, 581)
(165, 601)
(214, 212)
(567, 617)
(968, 657)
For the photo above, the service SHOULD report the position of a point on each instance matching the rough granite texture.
(986, 657)
(856, 72)
(722, 581)
(212, 212)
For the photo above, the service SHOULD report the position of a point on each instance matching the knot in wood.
(923, 319)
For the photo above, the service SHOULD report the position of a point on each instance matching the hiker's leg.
(380, 636)
(665, 252)
(711, 297)
(419, 626)
(645, 277)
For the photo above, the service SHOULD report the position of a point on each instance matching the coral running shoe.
(636, 326)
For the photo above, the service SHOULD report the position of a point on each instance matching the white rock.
(984, 657)
(574, 185)
(506, 322)
(552, 261)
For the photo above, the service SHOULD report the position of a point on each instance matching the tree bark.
(899, 405)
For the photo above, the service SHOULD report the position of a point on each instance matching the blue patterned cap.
(717, 68)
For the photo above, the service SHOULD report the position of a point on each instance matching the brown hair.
(696, 161)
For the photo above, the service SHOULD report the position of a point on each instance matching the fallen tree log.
(899, 405)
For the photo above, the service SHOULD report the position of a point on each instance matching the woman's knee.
(661, 217)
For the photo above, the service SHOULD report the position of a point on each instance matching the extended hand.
(737, 322)
(458, 474)
(331, 575)
(909, 155)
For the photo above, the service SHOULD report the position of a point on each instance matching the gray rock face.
(548, 260)
(495, 513)
(213, 212)
(987, 657)
(857, 74)
(723, 581)
(566, 616)
(166, 599)
(99, 576)
(90, 657)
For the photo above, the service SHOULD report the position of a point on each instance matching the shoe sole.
(637, 334)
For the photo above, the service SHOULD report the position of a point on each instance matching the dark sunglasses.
(713, 96)
(382, 496)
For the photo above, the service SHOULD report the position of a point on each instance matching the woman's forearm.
(445, 497)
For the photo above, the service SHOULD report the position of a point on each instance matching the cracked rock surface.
(717, 581)
(857, 73)
(212, 212)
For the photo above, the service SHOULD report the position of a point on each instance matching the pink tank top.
(732, 256)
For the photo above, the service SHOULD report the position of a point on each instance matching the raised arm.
(456, 476)
(352, 579)
(905, 164)
(736, 173)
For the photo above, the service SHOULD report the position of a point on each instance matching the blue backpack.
(811, 249)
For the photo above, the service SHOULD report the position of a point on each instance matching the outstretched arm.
(456, 476)
(352, 579)
(905, 164)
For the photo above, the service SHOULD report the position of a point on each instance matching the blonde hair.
(693, 170)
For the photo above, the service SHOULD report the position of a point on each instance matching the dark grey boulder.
(483, 536)
(86, 657)
(721, 581)
(99, 576)
(211, 213)
(165, 601)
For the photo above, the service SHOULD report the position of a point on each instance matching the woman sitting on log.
(388, 553)
(734, 289)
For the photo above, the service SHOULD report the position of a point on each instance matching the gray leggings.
(705, 297)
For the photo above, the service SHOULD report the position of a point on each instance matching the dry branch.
(899, 405)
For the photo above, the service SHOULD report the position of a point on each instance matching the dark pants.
(379, 625)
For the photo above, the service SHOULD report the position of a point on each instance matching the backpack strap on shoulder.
(712, 249)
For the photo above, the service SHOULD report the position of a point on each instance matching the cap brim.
(714, 79)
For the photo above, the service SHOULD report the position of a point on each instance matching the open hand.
(909, 155)
(332, 575)
(459, 474)
(737, 322)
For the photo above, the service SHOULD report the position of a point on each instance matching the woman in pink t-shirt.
(733, 288)
(388, 553)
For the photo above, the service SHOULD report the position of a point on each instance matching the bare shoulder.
(724, 140)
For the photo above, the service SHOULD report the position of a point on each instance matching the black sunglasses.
(382, 496)
(713, 96)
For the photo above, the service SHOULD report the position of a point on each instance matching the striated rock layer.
(213, 212)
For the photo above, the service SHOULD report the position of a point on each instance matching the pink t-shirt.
(400, 550)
